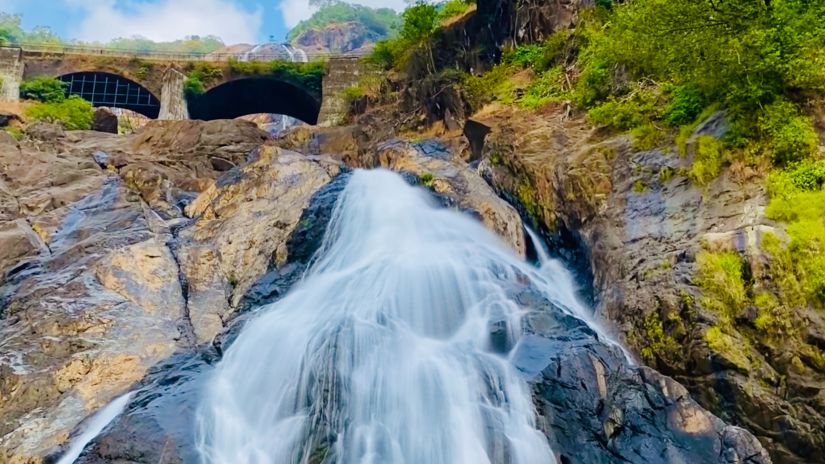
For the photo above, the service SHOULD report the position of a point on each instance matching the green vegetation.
(657, 340)
(798, 266)
(380, 23)
(731, 349)
(199, 77)
(419, 22)
(720, 277)
(427, 179)
(657, 68)
(708, 159)
(15, 132)
(73, 113)
(453, 8)
(44, 89)
(307, 75)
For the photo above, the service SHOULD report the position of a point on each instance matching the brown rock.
(105, 121)
(243, 222)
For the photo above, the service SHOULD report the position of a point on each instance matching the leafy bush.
(73, 113)
(792, 136)
(639, 107)
(452, 8)
(708, 159)
(44, 89)
(548, 87)
(419, 22)
(719, 275)
(686, 105)
(193, 87)
(199, 77)
(798, 199)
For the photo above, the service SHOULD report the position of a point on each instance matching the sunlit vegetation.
(380, 23)
(73, 113)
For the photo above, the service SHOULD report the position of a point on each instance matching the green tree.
(44, 89)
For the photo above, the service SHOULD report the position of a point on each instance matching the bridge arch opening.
(255, 95)
(112, 90)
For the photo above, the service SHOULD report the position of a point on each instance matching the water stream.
(382, 354)
(95, 424)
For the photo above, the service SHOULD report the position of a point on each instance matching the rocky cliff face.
(637, 227)
(129, 263)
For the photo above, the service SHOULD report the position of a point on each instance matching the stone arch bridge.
(153, 85)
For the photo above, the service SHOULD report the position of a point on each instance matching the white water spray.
(382, 353)
(94, 426)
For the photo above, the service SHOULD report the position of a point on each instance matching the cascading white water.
(92, 428)
(382, 354)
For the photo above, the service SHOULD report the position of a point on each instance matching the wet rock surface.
(622, 413)
(639, 226)
(134, 265)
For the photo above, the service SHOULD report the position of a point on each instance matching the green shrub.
(686, 104)
(593, 85)
(73, 113)
(387, 53)
(719, 275)
(452, 8)
(792, 136)
(807, 175)
(427, 179)
(646, 136)
(635, 109)
(15, 132)
(193, 87)
(44, 89)
(708, 159)
(199, 77)
(547, 87)
(524, 56)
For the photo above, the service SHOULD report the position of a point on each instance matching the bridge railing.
(166, 56)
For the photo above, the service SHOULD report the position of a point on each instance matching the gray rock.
(105, 121)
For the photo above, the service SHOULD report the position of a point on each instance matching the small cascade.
(99, 421)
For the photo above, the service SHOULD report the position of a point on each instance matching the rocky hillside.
(129, 263)
(337, 37)
(343, 28)
(691, 204)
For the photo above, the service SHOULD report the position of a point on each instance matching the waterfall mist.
(383, 353)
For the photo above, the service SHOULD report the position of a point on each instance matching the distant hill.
(341, 28)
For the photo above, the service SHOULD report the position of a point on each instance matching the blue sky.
(235, 21)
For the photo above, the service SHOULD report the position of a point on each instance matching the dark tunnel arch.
(112, 90)
(255, 95)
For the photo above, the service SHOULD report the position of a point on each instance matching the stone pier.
(11, 73)
(172, 96)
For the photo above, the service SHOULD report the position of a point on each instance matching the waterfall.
(382, 354)
(94, 426)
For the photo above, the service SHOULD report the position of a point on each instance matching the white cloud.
(166, 20)
(295, 11)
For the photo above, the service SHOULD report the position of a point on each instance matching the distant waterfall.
(269, 51)
(382, 354)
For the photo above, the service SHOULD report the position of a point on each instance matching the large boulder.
(242, 225)
(105, 120)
